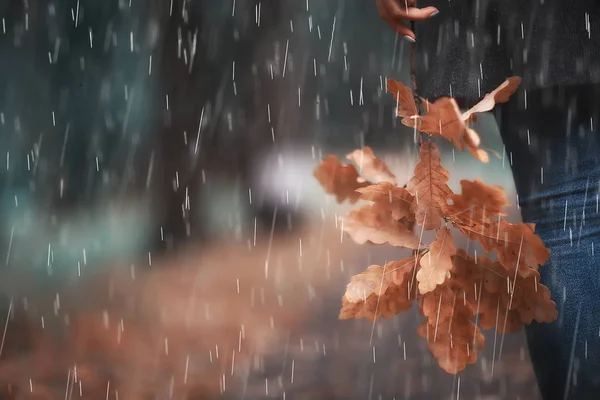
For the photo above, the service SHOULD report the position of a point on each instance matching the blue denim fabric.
(556, 166)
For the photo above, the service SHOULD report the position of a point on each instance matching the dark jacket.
(473, 45)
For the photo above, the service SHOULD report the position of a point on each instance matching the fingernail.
(433, 14)
(410, 39)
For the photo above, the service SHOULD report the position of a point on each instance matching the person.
(550, 131)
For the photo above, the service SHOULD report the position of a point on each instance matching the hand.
(396, 12)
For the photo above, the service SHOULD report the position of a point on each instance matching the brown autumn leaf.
(395, 199)
(406, 106)
(501, 299)
(437, 263)
(532, 300)
(371, 166)
(481, 285)
(500, 95)
(403, 271)
(472, 141)
(339, 179)
(474, 213)
(445, 119)
(395, 300)
(451, 335)
(372, 281)
(429, 185)
(517, 245)
(494, 312)
(529, 298)
(386, 300)
(477, 203)
(374, 223)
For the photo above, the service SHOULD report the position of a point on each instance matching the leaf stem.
(413, 77)
(413, 71)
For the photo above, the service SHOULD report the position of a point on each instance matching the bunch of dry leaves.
(457, 294)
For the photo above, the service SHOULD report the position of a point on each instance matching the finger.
(421, 14)
(386, 6)
(405, 32)
(403, 3)
(397, 11)
(397, 25)
(402, 29)
(384, 12)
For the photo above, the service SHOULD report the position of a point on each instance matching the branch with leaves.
(457, 294)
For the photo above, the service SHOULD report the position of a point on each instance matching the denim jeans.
(552, 141)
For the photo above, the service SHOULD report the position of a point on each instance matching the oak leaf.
(532, 299)
(437, 263)
(339, 179)
(494, 312)
(474, 213)
(372, 167)
(500, 95)
(395, 199)
(451, 335)
(430, 187)
(502, 299)
(403, 271)
(477, 203)
(445, 119)
(392, 302)
(372, 281)
(471, 140)
(386, 291)
(529, 298)
(373, 223)
(481, 284)
(517, 245)
(406, 106)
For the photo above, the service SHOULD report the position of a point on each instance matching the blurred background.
(159, 208)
